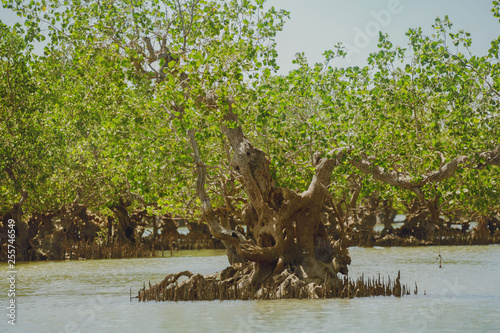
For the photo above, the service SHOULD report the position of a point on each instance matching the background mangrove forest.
(126, 124)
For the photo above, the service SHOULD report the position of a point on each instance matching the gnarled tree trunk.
(290, 238)
(291, 254)
(130, 227)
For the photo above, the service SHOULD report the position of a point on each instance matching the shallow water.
(93, 296)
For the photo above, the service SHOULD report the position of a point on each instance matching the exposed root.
(234, 283)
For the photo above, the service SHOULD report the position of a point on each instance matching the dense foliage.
(103, 113)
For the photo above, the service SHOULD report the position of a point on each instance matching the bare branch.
(406, 181)
(151, 50)
(233, 240)
(492, 157)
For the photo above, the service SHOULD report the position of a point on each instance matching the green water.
(93, 296)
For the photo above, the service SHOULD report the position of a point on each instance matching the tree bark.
(287, 227)
(406, 181)
(125, 230)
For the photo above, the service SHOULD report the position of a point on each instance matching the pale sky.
(317, 25)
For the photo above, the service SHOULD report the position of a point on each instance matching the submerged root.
(234, 283)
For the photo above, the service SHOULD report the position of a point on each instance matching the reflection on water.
(93, 296)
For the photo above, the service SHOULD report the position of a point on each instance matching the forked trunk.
(291, 255)
(289, 236)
